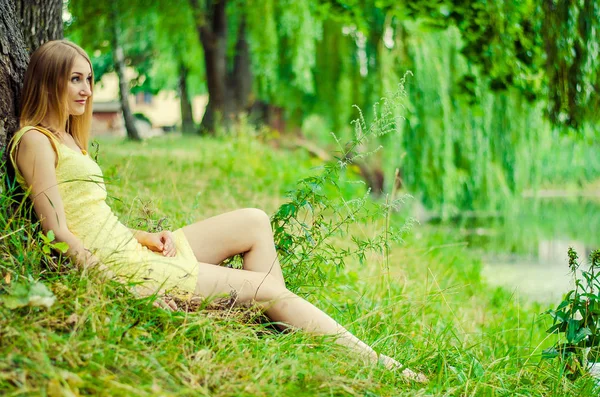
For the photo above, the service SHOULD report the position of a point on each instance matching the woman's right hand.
(91, 262)
(88, 262)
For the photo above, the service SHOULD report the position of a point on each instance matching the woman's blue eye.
(77, 79)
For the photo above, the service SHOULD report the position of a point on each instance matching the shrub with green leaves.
(319, 209)
(577, 318)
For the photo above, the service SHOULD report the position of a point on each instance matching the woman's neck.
(52, 123)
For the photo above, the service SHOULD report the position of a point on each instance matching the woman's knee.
(257, 218)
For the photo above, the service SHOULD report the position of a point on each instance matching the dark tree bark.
(119, 61)
(34, 16)
(42, 23)
(13, 63)
(240, 80)
(265, 113)
(212, 32)
(187, 116)
(119, 65)
(229, 89)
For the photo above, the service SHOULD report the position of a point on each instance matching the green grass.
(424, 302)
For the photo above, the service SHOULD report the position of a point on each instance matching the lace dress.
(82, 189)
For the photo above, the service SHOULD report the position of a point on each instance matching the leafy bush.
(577, 318)
(318, 210)
(142, 117)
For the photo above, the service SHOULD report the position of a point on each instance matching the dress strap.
(14, 145)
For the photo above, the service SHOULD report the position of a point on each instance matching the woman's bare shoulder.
(34, 143)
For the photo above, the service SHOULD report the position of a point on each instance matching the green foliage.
(570, 32)
(283, 37)
(23, 255)
(461, 151)
(299, 31)
(547, 50)
(176, 46)
(502, 38)
(318, 211)
(28, 294)
(486, 77)
(464, 146)
(577, 318)
(461, 154)
(142, 117)
(264, 45)
(93, 26)
(48, 243)
(25, 249)
(425, 304)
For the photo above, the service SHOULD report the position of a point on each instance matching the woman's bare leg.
(249, 231)
(279, 304)
(283, 306)
(245, 231)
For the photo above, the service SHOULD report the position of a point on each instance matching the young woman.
(49, 154)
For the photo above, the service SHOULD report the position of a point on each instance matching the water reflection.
(544, 278)
(555, 251)
(525, 250)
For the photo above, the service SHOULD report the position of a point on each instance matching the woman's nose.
(86, 91)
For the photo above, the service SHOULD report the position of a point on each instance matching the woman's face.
(80, 90)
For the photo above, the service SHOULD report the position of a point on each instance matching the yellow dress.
(82, 189)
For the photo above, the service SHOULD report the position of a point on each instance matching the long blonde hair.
(45, 89)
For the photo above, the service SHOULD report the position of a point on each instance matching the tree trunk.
(229, 92)
(13, 63)
(34, 17)
(261, 112)
(240, 80)
(119, 65)
(187, 116)
(119, 60)
(213, 36)
(43, 23)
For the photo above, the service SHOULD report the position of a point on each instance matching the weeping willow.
(462, 146)
(460, 151)
(453, 151)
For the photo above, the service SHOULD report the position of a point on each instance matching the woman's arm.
(36, 161)
(139, 235)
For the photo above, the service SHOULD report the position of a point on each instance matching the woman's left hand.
(161, 242)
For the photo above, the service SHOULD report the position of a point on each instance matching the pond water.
(525, 250)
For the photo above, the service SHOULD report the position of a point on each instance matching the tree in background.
(268, 50)
(228, 82)
(546, 49)
(109, 31)
(156, 40)
(259, 57)
(114, 24)
(485, 76)
(177, 61)
(571, 32)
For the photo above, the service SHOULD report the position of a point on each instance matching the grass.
(424, 302)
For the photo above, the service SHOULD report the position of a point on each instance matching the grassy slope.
(424, 304)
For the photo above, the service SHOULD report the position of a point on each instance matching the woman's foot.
(393, 365)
